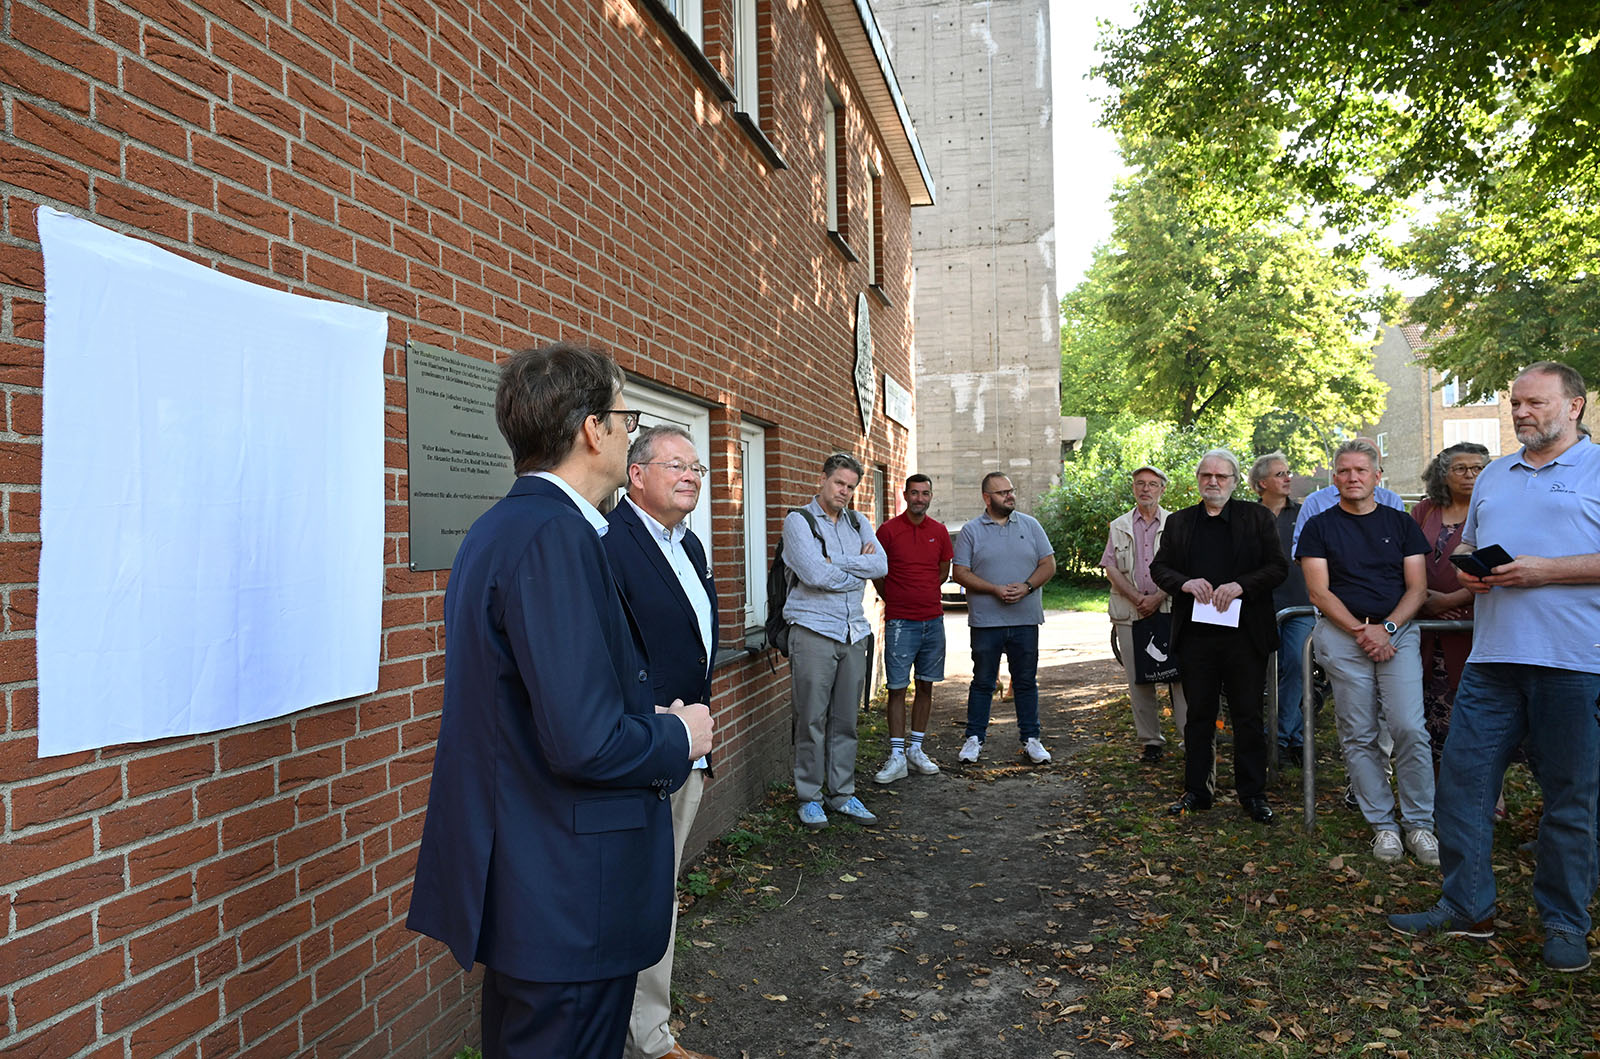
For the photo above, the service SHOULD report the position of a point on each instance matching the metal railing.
(1308, 778)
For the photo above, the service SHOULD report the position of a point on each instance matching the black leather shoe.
(1151, 754)
(1258, 810)
(1189, 803)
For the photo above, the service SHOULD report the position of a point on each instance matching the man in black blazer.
(661, 567)
(1219, 556)
(547, 850)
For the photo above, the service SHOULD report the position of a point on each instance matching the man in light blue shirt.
(832, 553)
(1534, 674)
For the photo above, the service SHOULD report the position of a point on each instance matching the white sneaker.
(971, 749)
(1036, 752)
(1387, 848)
(1423, 846)
(893, 769)
(921, 761)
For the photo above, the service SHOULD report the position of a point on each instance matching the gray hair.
(1220, 454)
(1435, 477)
(643, 449)
(1258, 469)
(841, 460)
(1365, 448)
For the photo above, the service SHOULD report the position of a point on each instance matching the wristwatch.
(1390, 627)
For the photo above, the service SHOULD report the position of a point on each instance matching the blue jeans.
(1020, 644)
(907, 640)
(1292, 634)
(1498, 705)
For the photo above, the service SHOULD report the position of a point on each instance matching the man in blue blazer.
(661, 567)
(547, 850)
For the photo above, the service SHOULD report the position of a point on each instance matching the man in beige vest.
(1132, 543)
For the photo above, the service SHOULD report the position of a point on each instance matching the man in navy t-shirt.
(1364, 569)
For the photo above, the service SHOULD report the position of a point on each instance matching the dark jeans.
(1020, 645)
(1211, 665)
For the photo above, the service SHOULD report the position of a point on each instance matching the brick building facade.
(651, 176)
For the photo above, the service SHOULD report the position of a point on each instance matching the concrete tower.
(987, 352)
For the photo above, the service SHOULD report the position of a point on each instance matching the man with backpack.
(831, 553)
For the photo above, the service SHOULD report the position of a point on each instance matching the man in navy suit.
(547, 849)
(661, 567)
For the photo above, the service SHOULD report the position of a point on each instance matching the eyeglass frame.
(631, 421)
(700, 469)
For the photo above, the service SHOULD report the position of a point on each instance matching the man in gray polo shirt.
(832, 554)
(1002, 559)
(1534, 674)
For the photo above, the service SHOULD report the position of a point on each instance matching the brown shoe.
(680, 1052)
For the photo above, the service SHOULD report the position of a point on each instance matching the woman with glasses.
(1448, 480)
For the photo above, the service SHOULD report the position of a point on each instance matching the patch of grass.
(1243, 940)
(1076, 592)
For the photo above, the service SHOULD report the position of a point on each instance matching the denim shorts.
(905, 640)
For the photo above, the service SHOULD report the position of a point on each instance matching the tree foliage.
(1361, 106)
(1200, 315)
(1489, 313)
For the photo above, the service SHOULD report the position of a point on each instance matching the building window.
(874, 240)
(835, 165)
(747, 60)
(880, 494)
(753, 511)
(1383, 444)
(1451, 392)
(687, 12)
(664, 409)
(1485, 432)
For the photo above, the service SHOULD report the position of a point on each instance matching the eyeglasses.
(1001, 492)
(1468, 470)
(1281, 474)
(630, 417)
(677, 467)
(1207, 476)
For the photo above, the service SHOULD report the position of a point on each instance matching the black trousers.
(555, 1020)
(1211, 664)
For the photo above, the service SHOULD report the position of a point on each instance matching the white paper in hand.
(1210, 615)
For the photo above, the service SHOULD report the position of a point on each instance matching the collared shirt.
(1002, 553)
(826, 597)
(670, 541)
(588, 510)
(915, 552)
(1145, 533)
(1326, 497)
(1550, 511)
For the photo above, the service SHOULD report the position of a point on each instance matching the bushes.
(1094, 482)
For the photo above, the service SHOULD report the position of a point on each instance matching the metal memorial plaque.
(457, 461)
(896, 401)
(866, 380)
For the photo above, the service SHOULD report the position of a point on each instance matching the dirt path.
(951, 928)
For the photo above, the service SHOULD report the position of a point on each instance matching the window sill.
(843, 247)
(691, 50)
(759, 138)
(883, 295)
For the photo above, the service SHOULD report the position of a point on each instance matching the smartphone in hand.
(1483, 561)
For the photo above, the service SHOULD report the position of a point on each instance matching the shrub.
(1094, 482)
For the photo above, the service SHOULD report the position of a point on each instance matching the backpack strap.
(811, 520)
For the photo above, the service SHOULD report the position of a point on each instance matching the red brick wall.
(491, 176)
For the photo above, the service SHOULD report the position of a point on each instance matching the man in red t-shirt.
(919, 553)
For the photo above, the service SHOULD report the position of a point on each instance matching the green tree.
(1201, 315)
(1490, 313)
(1361, 106)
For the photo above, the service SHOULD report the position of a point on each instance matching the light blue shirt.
(1550, 511)
(1002, 553)
(1328, 497)
(826, 596)
(588, 510)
